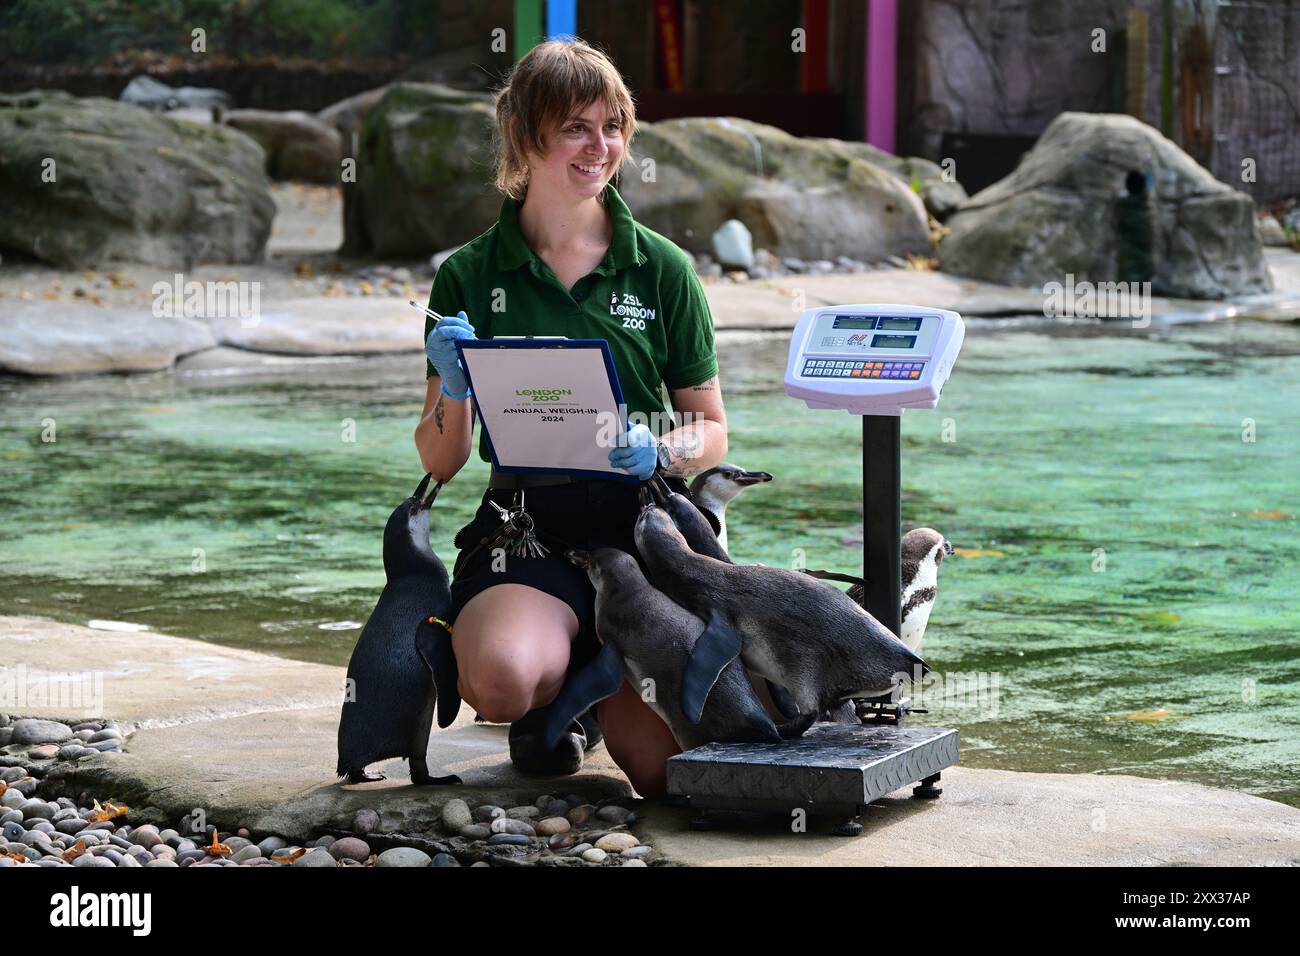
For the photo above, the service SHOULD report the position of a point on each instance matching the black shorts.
(594, 513)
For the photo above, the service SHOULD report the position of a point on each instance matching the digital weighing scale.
(874, 361)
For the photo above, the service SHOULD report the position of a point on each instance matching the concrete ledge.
(251, 739)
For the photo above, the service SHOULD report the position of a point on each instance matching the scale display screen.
(910, 323)
(893, 341)
(854, 322)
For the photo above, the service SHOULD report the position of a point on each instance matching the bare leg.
(638, 740)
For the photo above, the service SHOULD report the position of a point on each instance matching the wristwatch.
(664, 456)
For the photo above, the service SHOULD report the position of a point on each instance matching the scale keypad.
(863, 368)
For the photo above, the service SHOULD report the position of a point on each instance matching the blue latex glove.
(440, 349)
(637, 453)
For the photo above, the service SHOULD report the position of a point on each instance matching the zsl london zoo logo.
(630, 310)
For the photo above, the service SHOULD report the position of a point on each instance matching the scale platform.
(832, 769)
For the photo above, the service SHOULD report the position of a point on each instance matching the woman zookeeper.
(565, 257)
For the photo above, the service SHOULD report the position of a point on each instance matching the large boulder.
(298, 145)
(1056, 214)
(424, 172)
(155, 95)
(347, 115)
(808, 198)
(127, 184)
(43, 338)
(941, 193)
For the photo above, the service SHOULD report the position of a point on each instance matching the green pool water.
(1122, 551)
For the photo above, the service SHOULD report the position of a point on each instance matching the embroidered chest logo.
(629, 308)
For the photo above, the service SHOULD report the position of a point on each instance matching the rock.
(941, 195)
(317, 857)
(523, 813)
(323, 326)
(733, 245)
(508, 839)
(616, 842)
(511, 825)
(456, 815)
(420, 184)
(298, 146)
(347, 115)
(479, 863)
(36, 809)
(709, 270)
(594, 855)
(269, 845)
(634, 863)
(108, 733)
(145, 836)
(105, 746)
(443, 860)
(249, 852)
(350, 848)
(1271, 232)
(32, 731)
(579, 815)
(556, 808)
(129, 185)
(402, 856)
(552, 825)
(487, 813)
(1055, 215)
(563, 841)
(636, 852)
(44, 752)
(613, 814)
(365, 821)
(154, 94)
(801, 197)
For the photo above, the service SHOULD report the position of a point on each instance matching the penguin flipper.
(593, 683)
(717, 646)
(433, 644)
(798, 726)
(784, 702)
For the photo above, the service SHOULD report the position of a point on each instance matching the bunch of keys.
(516, 531)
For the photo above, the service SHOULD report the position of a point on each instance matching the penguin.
(647, 639)
(394, 690)
(923, 550)
(713, 490)
(808, 637)
(689, 519)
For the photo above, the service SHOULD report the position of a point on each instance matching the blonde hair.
(547, 86)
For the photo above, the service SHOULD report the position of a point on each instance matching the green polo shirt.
(644, 299)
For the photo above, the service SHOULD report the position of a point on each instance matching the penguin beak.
(947, 546)
(659, 490)
(419, 489)
(751, 477)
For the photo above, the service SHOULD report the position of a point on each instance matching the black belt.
(499, 479)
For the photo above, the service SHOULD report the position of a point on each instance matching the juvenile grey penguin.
(395, 686)
(648, 639)
(806, 636)
(923, 550)
(713, 490)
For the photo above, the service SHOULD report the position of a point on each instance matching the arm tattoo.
(685, 455)
(438, 413)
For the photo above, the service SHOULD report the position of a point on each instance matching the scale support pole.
(882, 519)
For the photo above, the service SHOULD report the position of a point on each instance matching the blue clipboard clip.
(542, 342)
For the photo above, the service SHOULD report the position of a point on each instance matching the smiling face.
(582, 153)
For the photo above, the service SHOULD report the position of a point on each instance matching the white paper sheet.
(546, 407)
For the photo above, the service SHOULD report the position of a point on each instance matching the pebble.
(594, 855)
(617, 842)
(401, 856)
(553, 825)
(476, 831)
(580, 814)
(511, 825)
(250, 852)
(160, 863)
(35, 809)
(479, 863)
(487, 813)
(270, 844)
(350, 848)
(146, 836)
(45, 752)
(508, 839)
(613, 814)
(580, 849)
(562, 841)
(32, 731)
(443, 859)
(365, 821)
(637, 852)
(556, 808)
(456, 815)
(523, 813)
(634, 863)
(316, 858)
(108, 733)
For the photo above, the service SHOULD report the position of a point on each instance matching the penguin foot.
(425, 780)
(360, 776)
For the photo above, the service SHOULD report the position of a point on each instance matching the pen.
(429, 312)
